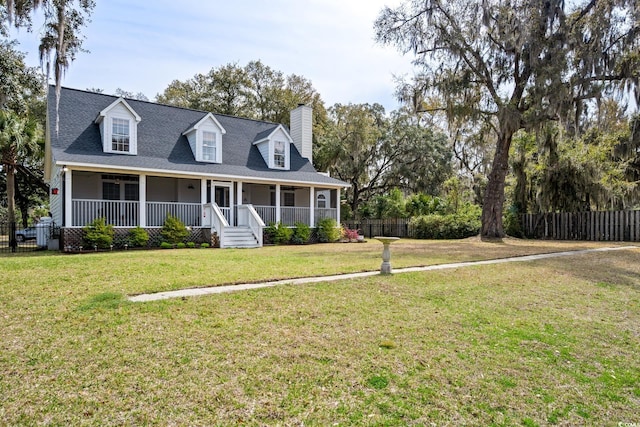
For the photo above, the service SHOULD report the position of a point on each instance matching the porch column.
(203, 200)
(278, 217)
(312, 207)
(142, 203)
(240, 201)
(232, 221)
(338, 205)
(68, 205)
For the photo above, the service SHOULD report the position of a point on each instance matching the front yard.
(538, 343)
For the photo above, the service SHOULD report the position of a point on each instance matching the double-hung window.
(279, 154)
(209, 147)
(120, 136)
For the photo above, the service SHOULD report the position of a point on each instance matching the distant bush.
(328, 230)
(301, 234)
(166, 245)
(191, 245)
(138, 237)
(512, 225)
(465, 223)
(173, 230)
(98, 233)
(204, 245)
(181, 245)
(349, 234)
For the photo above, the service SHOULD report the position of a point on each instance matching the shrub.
(181, 245)
(138, 237)
(512, 225)
(278, 234)
(301, 234)
(191, 245)
(464, 224)
(173, 230)
(349, 234)
(204, 245)
(98, 233)
(328, 230)
(166, 245)
(270, 232)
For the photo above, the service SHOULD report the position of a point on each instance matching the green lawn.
(538, 343)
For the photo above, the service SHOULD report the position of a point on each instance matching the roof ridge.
(166, 105)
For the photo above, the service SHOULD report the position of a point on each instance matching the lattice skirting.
(71, 238)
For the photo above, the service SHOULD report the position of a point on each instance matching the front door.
(222, 197)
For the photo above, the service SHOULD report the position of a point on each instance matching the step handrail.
(248, 217)
(218, 222)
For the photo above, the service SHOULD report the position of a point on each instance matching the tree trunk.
(493, 202)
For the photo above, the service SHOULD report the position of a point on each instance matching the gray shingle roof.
(161, 145)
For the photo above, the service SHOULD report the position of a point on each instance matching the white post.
(231, 203)
(203, 200)
(338, 205)
(142, 202)
(278, 217)
(68, 205)
(312, 207)
(240, 200)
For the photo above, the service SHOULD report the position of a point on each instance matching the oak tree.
(515, 64)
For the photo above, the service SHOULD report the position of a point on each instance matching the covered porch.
(127, 200)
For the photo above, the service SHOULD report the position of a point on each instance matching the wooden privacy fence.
(592, 226)
(397, 227)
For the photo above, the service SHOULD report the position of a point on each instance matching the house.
(134, 162)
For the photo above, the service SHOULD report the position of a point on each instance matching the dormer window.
(209, 146)
(275, 146)
(205, 139)
(119, 128)
(120, 136)
(279, 154)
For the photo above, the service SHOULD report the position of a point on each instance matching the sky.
(143, 45)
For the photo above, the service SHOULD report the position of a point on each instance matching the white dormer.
(275, 147)
(119, 128)
(205, 139)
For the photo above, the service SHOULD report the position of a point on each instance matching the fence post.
(13, 243)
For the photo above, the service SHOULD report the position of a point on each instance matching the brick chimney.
(301, 130)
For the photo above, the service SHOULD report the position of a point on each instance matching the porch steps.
(239, 237)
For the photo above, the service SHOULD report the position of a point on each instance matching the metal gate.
(14, 238)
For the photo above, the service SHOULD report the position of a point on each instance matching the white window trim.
(213, 146)
(200, 146)
(126, 122)
(105, 119)
(197, 132)
(272, 155)
(321, 197)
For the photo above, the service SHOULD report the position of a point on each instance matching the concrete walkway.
(242, 287)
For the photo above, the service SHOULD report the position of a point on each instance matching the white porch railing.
(267, 213)
(226, 212)
(188, 213)
(218, 221)
(291, 215)
(247, 216)
(115, 212)
(326, 213)
(126, 213)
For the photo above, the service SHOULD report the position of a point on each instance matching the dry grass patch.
(552, 342)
